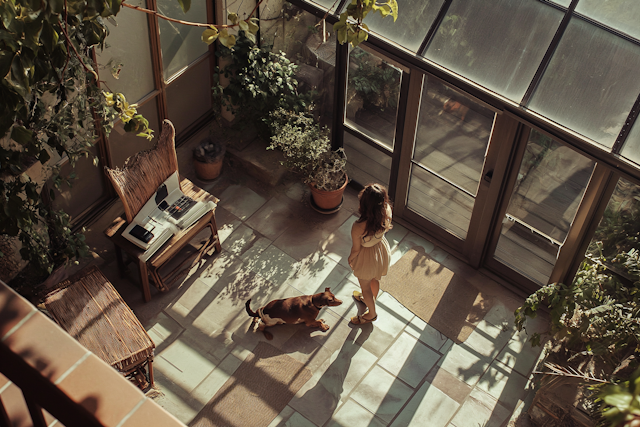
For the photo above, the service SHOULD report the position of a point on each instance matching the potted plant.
(307, 152)
(207, 158)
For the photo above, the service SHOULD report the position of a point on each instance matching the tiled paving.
(398, 371)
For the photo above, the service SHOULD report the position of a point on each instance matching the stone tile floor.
(398, 371)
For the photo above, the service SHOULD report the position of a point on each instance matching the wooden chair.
(136, 183)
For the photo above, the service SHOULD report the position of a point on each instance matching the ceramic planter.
(327, 202)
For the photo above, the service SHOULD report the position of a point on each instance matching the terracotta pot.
(207, 171)
(327, 201)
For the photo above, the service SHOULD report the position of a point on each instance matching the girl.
(369, 257)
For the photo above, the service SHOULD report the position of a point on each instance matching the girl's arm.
(356, 233)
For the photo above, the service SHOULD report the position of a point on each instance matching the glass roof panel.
(498, 44)
(591, 82)
(564, 3)
(631, 148)
(329, 4)
(622, 15)
(414, 20)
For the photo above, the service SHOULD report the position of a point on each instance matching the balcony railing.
(46, 375)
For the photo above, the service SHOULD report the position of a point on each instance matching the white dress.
(372, 262)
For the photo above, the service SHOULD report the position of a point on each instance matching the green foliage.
(307, 149)
(620, 403)
(597, 315)
(50, 105)
(351, 29)
(260, 81)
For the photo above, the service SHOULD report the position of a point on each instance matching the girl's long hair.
(373, 209)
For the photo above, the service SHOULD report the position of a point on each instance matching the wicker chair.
(138, 181)
(89, 308)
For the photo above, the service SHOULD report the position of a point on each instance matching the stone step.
(258, 162)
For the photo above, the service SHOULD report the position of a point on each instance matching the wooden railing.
(46, 375)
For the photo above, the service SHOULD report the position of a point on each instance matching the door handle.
(488, 176)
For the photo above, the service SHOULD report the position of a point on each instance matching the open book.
(166, 213)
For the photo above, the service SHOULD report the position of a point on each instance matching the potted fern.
(307, 152)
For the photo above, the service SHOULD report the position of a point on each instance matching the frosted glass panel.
(189, 97)
(498, 44)
(631, 148)
(129, 51)
(591, 82)
(181, 44)
(622, 15)
(125, 144)
(414, 20)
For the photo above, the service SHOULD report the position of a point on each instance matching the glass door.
(451, 141)
(550, 183)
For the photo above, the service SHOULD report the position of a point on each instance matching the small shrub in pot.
(208, 156)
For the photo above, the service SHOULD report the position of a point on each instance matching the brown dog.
(303, 309)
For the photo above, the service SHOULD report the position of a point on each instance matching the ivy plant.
(50, 105)
(351, 28)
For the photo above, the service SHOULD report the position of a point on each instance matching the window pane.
(414, 20)
(181, 44)
(622, 15)
(591, 82)
(84, 191)
(631, 148)
(551, 181)
(373, 90)
(329, 4)
(134, 59)
(619, 228)
(439, 201)
(292, 30)
(189, 96)
(365, 164)
(453, 134)
(498, 44)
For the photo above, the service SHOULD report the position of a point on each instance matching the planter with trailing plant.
(307, 152)
(207, 159)
(594, 347)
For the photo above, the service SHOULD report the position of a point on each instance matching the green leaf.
(5, 62)
(393, 4)
(620, 400)
(21, 135)
(115, 6)
(8, 13)
(250, 36)
(209, 35)
(253, 26)
(185, 5)
(244, 26)
(228, 40)
(233, 18)
(44, 156)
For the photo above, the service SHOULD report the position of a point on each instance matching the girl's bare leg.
(367, 296)
(375, 288)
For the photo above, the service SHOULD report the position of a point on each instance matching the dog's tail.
(250, 312)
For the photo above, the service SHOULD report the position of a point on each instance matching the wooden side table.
(170, 249)
(90, 309)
